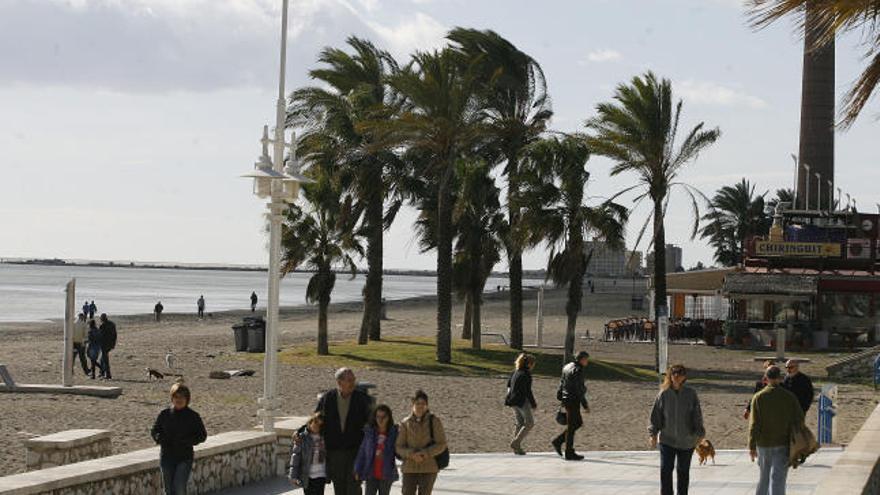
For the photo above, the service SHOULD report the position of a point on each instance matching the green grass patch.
(418, 355)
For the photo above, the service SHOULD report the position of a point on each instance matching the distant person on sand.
(799, 384)
(108, 343)
(375, 462)
(94, 349)
(759, 385)
(253, 301)
(85, 309)
(200, 304)
(79, 342)
(158, 310)
(419, 440)
(346, 411)
(572, 394)
(522, 400)
(92, 310)
(176, 430)
(308, 457)
(676, 424)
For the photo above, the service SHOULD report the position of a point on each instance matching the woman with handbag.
(522, 400)
(421, 444)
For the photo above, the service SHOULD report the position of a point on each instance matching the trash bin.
(256, 337)
(239, 332)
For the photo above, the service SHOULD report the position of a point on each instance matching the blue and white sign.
(827, 411)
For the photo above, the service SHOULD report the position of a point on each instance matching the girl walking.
(420, 438)
(522, 400)
(308, 461)
(177, 429)
(676, 423)
(375, 460)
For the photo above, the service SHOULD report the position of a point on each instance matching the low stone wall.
(859, 365)
(857, 471)
(226, 460)
(66, 447)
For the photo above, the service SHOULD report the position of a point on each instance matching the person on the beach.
(200, 304)
(253, 301)
(308, 458)
(108, 343)
(676, 423)
(157, 310)
(92, 310)
(775, 411)
(79, 342)
(759, 385)
(94, 349)
(572, 394)
(419, 440)
(799, 384)
(375, 462)
(85, 309)
(176, 430)
(346, 411)
(522, 400)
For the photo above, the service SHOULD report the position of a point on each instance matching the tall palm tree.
(319, 237)
(518, 109)
(638, 132)
(354, 90)
(557, 215)
(824, 19)
(735, 215)
(440, 120)
(480, 227)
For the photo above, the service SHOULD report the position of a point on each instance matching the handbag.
(561, 416)
(442, 458)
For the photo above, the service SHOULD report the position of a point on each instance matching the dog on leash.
(154, 374)
(705, 450)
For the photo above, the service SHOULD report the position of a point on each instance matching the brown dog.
(705, 450)
(154, 374)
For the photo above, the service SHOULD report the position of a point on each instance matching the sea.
(33, 293)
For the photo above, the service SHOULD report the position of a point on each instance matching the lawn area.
(418, 355)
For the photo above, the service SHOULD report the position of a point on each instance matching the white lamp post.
(280, 185)
(830, 196)
(807, 181)
(818, 191)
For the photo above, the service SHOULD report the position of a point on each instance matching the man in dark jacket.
(346, 411)
(799, 384)
(572, 393)
(107, 331)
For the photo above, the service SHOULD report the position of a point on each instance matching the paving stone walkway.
(601, 473)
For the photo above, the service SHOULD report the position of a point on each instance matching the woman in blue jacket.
(375, 461)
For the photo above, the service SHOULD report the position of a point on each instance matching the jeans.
(316, 486)
(773, 462)
(524, 424)
(680, 459)
(175, 474)
(340, 470)
(80, 350)
(380, 487)
(418, 483)
(105, 363)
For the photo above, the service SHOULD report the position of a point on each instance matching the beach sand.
(471, 407)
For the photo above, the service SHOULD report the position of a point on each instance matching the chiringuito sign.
(802, 249)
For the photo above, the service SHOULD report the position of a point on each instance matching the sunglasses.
(679, 372)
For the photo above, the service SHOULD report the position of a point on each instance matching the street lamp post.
(280, 185)
(807, 188)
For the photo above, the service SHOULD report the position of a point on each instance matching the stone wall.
(859, 365)
(67, 447)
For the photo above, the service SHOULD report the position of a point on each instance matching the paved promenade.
(601, 473)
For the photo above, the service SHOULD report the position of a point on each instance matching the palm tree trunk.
(477, 334)
(660, 306)
(323, 304)
(371, 323)
(468, 311)
(572, 308)
(444, 268)
(514, 260)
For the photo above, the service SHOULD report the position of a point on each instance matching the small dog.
(151, 374)
(705, 450)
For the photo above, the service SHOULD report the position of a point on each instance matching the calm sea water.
(36, 293)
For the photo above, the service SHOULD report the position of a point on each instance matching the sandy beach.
(471, 407)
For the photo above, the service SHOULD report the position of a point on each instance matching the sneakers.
(573, 456)
(557, 445)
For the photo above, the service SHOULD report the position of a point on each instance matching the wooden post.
(69, 315)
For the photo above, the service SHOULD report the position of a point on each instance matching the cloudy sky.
(124, 124)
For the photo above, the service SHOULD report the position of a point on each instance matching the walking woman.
(308, 460)
(420, 438)
(375, 459)
(522, 400)
(94, 348)
(176, 430)
(677, 420)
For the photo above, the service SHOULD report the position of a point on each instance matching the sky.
(125, 124)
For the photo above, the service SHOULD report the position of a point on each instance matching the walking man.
(775, 411)
(108, 343)
(253, 301)
(799, 384)
(158, 310)
(572, 394)
(79, 339)
(92, 310)
(201, 306)
(346, 411)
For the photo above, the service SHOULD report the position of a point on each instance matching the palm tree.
(319, 237)
(638, 132)
(355, 91)
(824, 19)
(736, 214)
(440, 121)
(518, 109)
(480, 225)
(557, 215)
